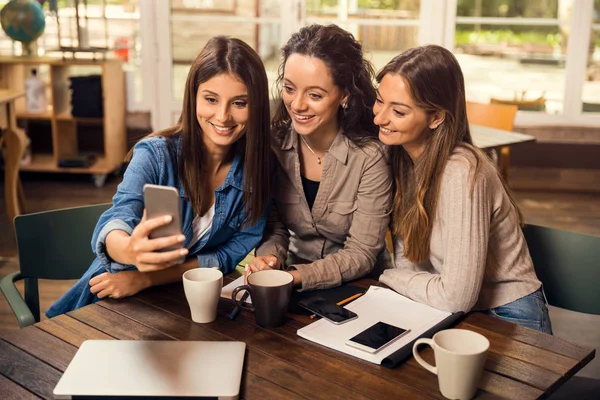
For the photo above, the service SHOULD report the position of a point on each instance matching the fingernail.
(271, 263)
(180, 238)
(168, 218)
(183, 252)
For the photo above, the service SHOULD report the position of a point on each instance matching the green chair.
(52, 245)
(568, 265)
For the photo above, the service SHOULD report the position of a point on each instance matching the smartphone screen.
(377, 336)
(327, 309)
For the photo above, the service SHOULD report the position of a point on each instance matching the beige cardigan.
(478, 255)
(343, 236)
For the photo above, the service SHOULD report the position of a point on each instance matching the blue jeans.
(529, 311)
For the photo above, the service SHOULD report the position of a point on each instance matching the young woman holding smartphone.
(458, 240)
(333, 185)
(217, 157)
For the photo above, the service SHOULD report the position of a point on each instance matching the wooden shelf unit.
(67, 130)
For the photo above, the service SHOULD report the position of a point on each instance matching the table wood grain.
(522, 363)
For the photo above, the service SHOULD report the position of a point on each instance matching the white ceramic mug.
(202, 287)
(459, 358)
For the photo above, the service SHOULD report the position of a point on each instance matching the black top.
(310, 191)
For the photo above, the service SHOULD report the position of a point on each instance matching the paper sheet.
(378, 304)
(227, 290)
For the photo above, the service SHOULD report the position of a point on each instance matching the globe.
(23, 21)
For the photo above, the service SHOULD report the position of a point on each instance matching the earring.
(344, 105)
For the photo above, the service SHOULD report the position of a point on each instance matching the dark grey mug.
(270, 291)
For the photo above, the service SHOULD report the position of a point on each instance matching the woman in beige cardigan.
(333, 186)
(458, 240)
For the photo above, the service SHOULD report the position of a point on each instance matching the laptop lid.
(140, 368)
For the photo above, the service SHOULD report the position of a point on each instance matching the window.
(591, 86)
(194, 22)
(513, 51)
(384, 28)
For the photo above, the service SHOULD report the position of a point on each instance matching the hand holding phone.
(328, 310)
(157, 242)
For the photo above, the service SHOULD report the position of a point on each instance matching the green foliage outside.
(510, 37)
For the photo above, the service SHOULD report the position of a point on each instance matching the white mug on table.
(459, 358)
(202, 287)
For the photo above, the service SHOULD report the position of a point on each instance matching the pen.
(342, 302)
(238, 308)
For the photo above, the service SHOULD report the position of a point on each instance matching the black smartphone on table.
(326, 309)
(376, 337)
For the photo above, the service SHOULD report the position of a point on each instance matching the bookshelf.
(56, 133)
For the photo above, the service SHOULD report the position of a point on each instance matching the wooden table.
(489, 138)
(13, 147)
(522, 363)
(500, 142)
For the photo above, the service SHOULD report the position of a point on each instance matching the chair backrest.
(568, 265)
(57, 244)
(499, 116)
(538, 104)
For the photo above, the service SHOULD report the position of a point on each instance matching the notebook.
(385, 305)
(156, 369)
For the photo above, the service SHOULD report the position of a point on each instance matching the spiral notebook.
(385, 305)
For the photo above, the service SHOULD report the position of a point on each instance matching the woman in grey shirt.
(459, 245)
(333, 188)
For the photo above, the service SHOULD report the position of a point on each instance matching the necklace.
(311, 150)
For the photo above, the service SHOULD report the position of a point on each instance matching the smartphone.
(159, 202)
(376, 337)
(328, 310)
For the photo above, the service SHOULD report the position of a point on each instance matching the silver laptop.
(140, 368)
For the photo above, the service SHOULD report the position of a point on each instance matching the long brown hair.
(223, 55)
(436, 85)
(343, 56)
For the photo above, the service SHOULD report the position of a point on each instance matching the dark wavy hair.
(223, 55)
(343, 56)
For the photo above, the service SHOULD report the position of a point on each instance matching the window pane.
(194, 22)
(523, 64)
(507, 8)
(591, 86)
(385, 28)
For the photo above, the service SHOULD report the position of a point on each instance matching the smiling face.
(400, 121)
(222, 110)
(310, 96)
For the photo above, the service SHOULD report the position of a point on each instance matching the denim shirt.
(225, 245)
(227, 242)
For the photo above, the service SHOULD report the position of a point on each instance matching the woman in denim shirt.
(217, 156)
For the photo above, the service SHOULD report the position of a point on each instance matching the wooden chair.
(52, 245)
(567, 265)
(498, 116)
(13, 143)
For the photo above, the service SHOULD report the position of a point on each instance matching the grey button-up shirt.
(343, 236)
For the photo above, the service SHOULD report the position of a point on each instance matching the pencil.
(342, 302)
(349, 299)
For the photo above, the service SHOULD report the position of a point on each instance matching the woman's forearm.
(117, 243)
(171, 274)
